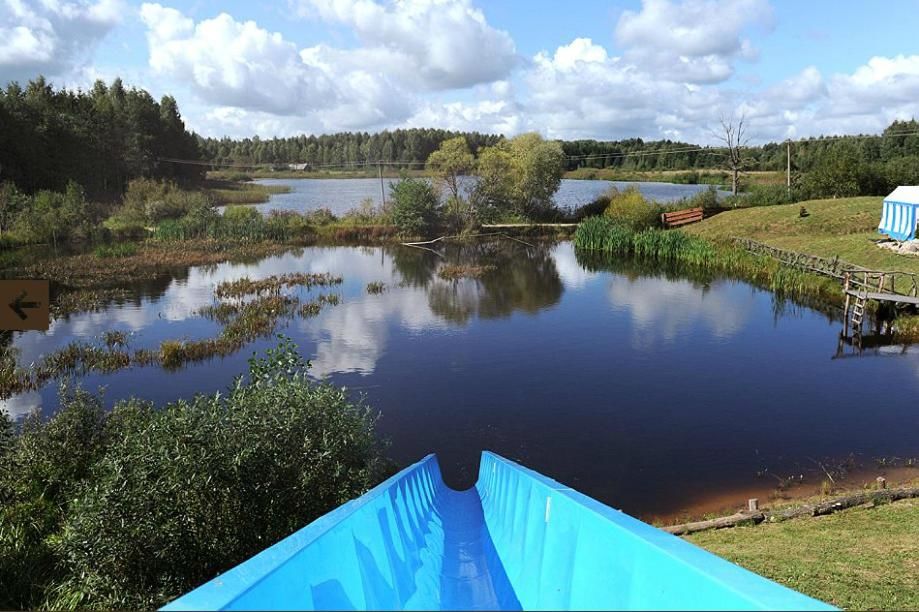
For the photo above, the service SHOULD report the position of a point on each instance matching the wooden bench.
(681, 217)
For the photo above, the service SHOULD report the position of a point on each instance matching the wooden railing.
(851, 275)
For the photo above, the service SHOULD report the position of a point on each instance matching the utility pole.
(382, 191)
(788, 165)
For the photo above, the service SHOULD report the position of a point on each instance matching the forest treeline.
(99, 139)
(103, 137)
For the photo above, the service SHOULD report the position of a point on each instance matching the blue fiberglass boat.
(517, 540)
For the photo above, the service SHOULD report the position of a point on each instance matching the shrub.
(321, 216)
(415, 206)
(706, 199)
(131, 508)
(146, 202)
(54, 218)
(593, 209)
(117, 250)
(630, 208)
(368, 213)
(762, 195)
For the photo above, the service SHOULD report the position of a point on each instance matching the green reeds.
(673, 247)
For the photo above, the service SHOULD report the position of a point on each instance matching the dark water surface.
(342, 195)
(643, 390)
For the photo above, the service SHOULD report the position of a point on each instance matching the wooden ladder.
(858, 312)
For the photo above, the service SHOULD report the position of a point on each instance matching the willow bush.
(130, 508)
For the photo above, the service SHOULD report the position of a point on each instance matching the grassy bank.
(862, 558)
(225, 192)
(846, 227)
(843, 227)
(605, 235)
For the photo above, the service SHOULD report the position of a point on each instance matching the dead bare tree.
(734, 135)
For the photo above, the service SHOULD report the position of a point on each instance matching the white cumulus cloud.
(51, 37)
(434, 44)
(234, 63)
(693, 40)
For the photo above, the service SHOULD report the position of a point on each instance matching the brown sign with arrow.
(24, 305)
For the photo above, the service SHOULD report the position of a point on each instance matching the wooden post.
(752, 504)
(845, 314)
(382, 191)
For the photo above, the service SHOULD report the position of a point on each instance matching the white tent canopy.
(901, 211)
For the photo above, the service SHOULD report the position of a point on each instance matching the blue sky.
(586, 69)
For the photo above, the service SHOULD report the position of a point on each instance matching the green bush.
(320, 216)
(415, 206)
(55, 218)
(368, 213)
(117, 250)
(131, 508)
(706, 199)
(630, 208)
(147, 202)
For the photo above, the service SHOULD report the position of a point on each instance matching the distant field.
(846, 227)
(862, 558)
(708, 176)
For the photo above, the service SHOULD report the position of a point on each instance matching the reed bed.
(605, 235)
(273, 284)
(241, 321)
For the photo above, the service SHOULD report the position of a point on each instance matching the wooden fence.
(852, 276)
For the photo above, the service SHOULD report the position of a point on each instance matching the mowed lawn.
(861, 558)
(846, 227)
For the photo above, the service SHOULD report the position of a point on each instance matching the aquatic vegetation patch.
(376, 287)
(458, 271)
(152, 260)
(273, 284)
(88, 300)
(314, 307)
(242, 322)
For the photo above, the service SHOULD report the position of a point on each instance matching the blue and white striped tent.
(901, 210)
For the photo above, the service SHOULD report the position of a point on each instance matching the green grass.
(226, 192)
(862, 558)
(119, 249)
(846, 227)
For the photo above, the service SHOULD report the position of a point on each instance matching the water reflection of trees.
(524, 278)
(632, 268)
(416, 267)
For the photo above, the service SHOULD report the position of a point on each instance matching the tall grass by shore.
(606, 235)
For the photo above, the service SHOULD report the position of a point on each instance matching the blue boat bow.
(517, 540)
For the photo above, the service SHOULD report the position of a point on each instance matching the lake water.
(645, 390)
(342, 195)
